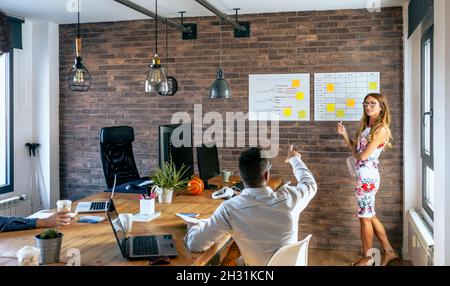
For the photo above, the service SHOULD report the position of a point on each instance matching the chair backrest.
(116, 152)
(294, 254)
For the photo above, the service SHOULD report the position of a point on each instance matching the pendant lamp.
(220, 87)
(78, 78)
(172, 83)
(156, 78)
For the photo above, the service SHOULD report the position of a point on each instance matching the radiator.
(8, 207)
(421, 241)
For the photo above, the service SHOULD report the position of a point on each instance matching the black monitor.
(208, 163)
(180, 154)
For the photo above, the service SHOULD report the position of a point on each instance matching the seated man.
(259, 220)
(20, 223)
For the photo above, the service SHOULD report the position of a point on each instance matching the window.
(427, 123)
(6, 117)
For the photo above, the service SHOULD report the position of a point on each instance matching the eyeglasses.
(371, 104)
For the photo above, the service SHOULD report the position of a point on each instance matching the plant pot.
(50, 248)
(165, 196)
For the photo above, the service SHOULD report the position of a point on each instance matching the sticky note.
(302, 114)
(330, 107)
(340, 113)
(330, 87)
(287, 112)
(295, 83)
(300, 95)
(373, 85)
(350, 102)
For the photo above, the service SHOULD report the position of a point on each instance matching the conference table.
(97, 244)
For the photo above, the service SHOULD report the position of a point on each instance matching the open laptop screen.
(117, 227)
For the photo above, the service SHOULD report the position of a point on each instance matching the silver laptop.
(95, 206)
(139, 247)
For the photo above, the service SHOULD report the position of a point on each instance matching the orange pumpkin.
(195, 186)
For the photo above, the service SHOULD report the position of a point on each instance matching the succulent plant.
(49, 234)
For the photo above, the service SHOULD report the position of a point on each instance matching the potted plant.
(169, 179)
(49, 242)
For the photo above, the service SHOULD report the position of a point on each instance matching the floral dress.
(367, 177)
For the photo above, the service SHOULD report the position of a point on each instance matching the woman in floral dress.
(372, 137)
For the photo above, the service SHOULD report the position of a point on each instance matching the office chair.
(294, 254)
(116, 152)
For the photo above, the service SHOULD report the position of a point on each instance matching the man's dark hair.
(252, 167)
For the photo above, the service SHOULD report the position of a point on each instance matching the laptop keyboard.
(95, 206)
(145, 245)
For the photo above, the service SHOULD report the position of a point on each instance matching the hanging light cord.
(167, 51)
(156, 26)
(220, 42)
(78, 19)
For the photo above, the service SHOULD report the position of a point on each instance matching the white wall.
(411, 130)
(441, 136)
(36, 94)
(442, 131)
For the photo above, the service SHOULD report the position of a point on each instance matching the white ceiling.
(108, 10)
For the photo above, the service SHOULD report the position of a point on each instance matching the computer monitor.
(181, 154)
(208, 163)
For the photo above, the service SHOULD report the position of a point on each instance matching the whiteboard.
(283, 97)
(339, 96)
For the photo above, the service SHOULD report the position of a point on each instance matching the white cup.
(147, 206)
(28, 256)
(64, 205)
(127, 221)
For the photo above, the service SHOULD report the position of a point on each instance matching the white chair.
(294, 254)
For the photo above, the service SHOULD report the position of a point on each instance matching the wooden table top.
(97, 243)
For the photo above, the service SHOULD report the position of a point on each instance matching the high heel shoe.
(364, 261)
(394, 258)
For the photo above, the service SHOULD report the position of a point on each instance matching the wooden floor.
(317, 257)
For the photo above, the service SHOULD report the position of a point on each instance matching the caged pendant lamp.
(78, 78)
(156, 78)
(220, 87)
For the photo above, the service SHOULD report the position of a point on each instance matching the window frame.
(427, 159)
(9, 186)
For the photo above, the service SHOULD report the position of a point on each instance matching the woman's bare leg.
(380, 233)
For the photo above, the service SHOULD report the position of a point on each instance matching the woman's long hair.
(384, 120)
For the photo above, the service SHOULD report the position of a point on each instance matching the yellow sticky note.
(373, 85)
(350, 102)
(330, 87)
(300, 95)
(340, 113)
(295, 83)
(330, 107)
(302, 114)
(287, 112)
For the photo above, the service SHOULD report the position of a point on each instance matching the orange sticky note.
(350, 102)
(302, 114)
(330, 87)
(287, 112)
(330, 107)
(340, 113)
(295, 83)
(300, 95)
(373, 85)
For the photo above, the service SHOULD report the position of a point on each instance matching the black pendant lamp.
(220, 87)
(156, 78)
(78, 78)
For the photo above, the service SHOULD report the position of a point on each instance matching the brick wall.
(117, 55)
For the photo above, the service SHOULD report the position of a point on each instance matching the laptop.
(139, 247)
(96, 206)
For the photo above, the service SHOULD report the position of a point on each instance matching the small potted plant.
(169, 179)
(49, 242)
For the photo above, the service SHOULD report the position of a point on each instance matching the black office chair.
(116, 152)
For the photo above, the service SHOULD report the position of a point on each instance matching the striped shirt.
(259, 220)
